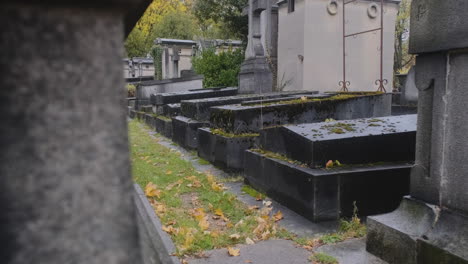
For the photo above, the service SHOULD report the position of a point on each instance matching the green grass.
(252, 192)
(203, 161)
(322, 258)
(154, 163)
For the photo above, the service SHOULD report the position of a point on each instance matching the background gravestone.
(431, 225)
(65, 185)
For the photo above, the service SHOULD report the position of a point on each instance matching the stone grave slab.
(163, 125)
(370, 140)
(173, 98)
(224, 150)
(251, 118)
(184, 131)
(328, 194)
(199, 109)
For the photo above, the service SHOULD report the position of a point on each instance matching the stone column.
(255, 76)
(65, 184)
(431, 225)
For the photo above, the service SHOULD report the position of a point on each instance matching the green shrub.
(131, 90)
(220, 69)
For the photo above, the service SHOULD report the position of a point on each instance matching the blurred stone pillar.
(431, 225)
(65, 183)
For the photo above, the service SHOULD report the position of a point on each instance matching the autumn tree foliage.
(141, 39)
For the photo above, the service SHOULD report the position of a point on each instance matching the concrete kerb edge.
(161, 242)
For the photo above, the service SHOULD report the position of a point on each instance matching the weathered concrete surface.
(65, 185)
(351, 252)
(265, 252)
(438, 25)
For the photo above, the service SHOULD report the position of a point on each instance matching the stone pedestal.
(258, 72)
(65, 185)
(255, 76)
(431, 226)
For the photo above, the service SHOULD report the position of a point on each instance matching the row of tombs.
(320, 154)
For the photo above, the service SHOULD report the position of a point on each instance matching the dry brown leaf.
(266, 235)
(184, 261)
(249, 241)
(329, 164)
(303, 98)
(247, 261)
(255, 207)
(259, 197)
(234, 236)
(234, 252)
(267, 203)
(168, 172)
(151, 190)
(278, 216)
(169, 229)
(160, 208)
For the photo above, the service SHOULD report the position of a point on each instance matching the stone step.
(224, 150)
(252, 118)
(328, 194)
(370, 140)
(173, 98)
(199, 109)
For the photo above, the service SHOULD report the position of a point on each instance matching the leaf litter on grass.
(194, 207)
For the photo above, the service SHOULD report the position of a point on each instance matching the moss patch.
(322, 258)
(221, 132)
(252, 192)
(339, 128)
(337, 97)
(278, 156)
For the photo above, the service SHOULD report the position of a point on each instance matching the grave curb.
(161, 244)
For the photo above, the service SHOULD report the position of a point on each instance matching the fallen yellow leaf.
(216, 187)
(204, 224)
(234, 252)
(151, 190)
(169, 172)
(329, 164)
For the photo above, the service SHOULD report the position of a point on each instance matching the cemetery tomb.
(184, 131)
(189, 126)
(247, 118)
(173, 98)
(301, 180)
(199, 109)
(374, 139)
(223, 149)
